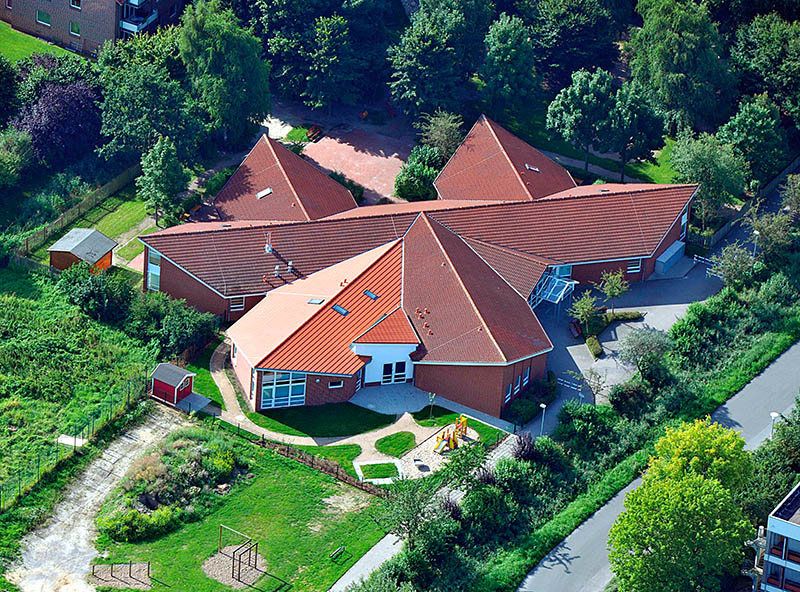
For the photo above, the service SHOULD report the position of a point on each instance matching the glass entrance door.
(393, 373)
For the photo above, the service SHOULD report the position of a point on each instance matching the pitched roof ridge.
(222, 189)
(332, 297)
(621, 191)
(286, 176)
(489, 123)
(513, 251)
(385, 317)
(461, 280)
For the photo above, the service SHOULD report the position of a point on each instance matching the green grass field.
(133, 247)
(203, 383)
(298, 134)
(344, 455)
(442, 417)
(16, 45)
(298, 516)
(113, 217)
(379, 471)
(396, 444)
(320, 421)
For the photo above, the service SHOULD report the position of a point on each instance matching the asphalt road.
(580, 562)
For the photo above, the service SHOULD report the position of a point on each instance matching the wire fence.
(59, 447)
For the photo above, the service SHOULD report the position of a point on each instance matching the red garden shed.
(171, 383)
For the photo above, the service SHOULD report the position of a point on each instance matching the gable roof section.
(322, 343)
(298, 189)
(493, 164)
(597, 226)
(393, 328)
(170, 374)
(232, 261)
(471, 315)
(409, 207)
(521, 270)
(87, 244)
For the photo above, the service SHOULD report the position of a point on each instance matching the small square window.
(74, 29)
(517, 384)
(9, 4)
(43, 18)
(341, 310)
(634, 266)
(75, 4)
(237, 303)
(508, 393)
(336, 384)
(371, 294)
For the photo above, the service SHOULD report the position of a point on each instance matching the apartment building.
(84, 25)
(782, 557)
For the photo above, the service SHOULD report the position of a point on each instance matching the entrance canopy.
(551, 289)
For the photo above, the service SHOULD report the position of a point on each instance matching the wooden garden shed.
(82, 244)
(171, 383)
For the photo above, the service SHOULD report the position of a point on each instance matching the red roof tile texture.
(394, 328)
(297, 189)
(322, 344)
(520, 270)
(494, 164)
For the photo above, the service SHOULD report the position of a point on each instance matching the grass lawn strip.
(298, 134)
(203, 383)
(16, 45)
(396, 444)
(310, 515)
(320, 421)
(379, 471)
(133, 247)
(442, 417)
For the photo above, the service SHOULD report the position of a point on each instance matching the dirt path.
(130, 235)
(57, 557)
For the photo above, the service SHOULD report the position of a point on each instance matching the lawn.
(343, 454)
(396, 444)
(379, 471)
(133, 247)
(203, 383)
(298, 134)
(113, 217)
(321, 421)
(442, 417)
(298, 516)
(16, 45)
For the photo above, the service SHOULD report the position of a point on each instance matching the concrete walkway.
(612, 176)
(580, 562)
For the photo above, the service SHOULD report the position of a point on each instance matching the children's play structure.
(447, 439)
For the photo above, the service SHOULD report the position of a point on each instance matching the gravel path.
(57, 556)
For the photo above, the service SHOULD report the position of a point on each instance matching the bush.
(524, 448)
(415, 180)
(217, 181)
(16, 155)
(630, 398)
(586, 429)
(102, 295)
(594, 346)
(355, 189)
(128, 526)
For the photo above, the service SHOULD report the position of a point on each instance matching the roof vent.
(289, 267)
(277, 271)
(264, 193)
(226, 226)
(530, 167)
(604, 190)
(268, 247)
(316, 301)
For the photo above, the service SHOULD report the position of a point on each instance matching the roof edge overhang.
(501, 364)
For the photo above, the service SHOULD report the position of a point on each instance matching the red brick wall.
(178, 284)
(249, 302)
(480, 387)
(318, 393)
(673, 234)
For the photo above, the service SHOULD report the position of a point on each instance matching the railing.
(135, 24)
(64, 444)
(710, 269)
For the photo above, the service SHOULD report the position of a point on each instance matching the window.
(517, 384)
(282, 389)
(360, 379)
(43, 18)
(253, 382)
(399, 371)
(184, 383)
(74, 29)
(684, 223)
(153, 271)
(233, 352)
(634, 266)
(563, 271)
(237, 303)
(334, 384)
(75, 4)
(526, 377)
(9, 4)
(393, 373)
(508, 393)
(341, 310)
(371, 294)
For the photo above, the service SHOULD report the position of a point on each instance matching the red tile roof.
(521, 270)
(299, 190)
(467, 313)
(409, 207)
(393, 328)
(493, 164)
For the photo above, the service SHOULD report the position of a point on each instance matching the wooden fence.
(35, 240)
(33, 266)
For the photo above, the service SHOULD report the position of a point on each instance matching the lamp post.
(544, 410)
(756, 233)
(774, 415)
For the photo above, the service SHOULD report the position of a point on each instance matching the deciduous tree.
(720, 171)
(163, 177)
(612, 285)
(580, 112)
(16, 154)
(442, 130)
(8, 90)
(734, 264)
(643, 348)
(508, 69)
(332, 64)
(790, 196)
(584, 308)
(773, 230)
(228, 78)
(410, 504)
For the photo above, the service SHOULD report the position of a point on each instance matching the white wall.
(384, 353)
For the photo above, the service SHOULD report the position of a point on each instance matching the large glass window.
(508, 393)
(154, 271)
(42, 17)
(282, 389)
(526, 377)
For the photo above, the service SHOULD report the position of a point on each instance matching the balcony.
(137, 24)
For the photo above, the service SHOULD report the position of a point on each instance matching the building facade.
(84, 25)
(782, 557)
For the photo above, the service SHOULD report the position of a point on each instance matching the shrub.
(414, 182)
(521, 410)
(524, 448)
(16, 155)
(629, 398)
(355, 189)
(551, 454)
(101, 295)
(594, 346)
(218, 180)
(128, 526)
(586, 429)
(514, 477)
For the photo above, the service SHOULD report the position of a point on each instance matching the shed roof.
(274, 183)
(87, 244)
(170, 374)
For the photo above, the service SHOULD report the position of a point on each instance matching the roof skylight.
(371, 294)
(341, 310)
(264, 193)
(316, 301)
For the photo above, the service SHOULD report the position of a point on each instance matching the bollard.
(112, 570)
(130, 569)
